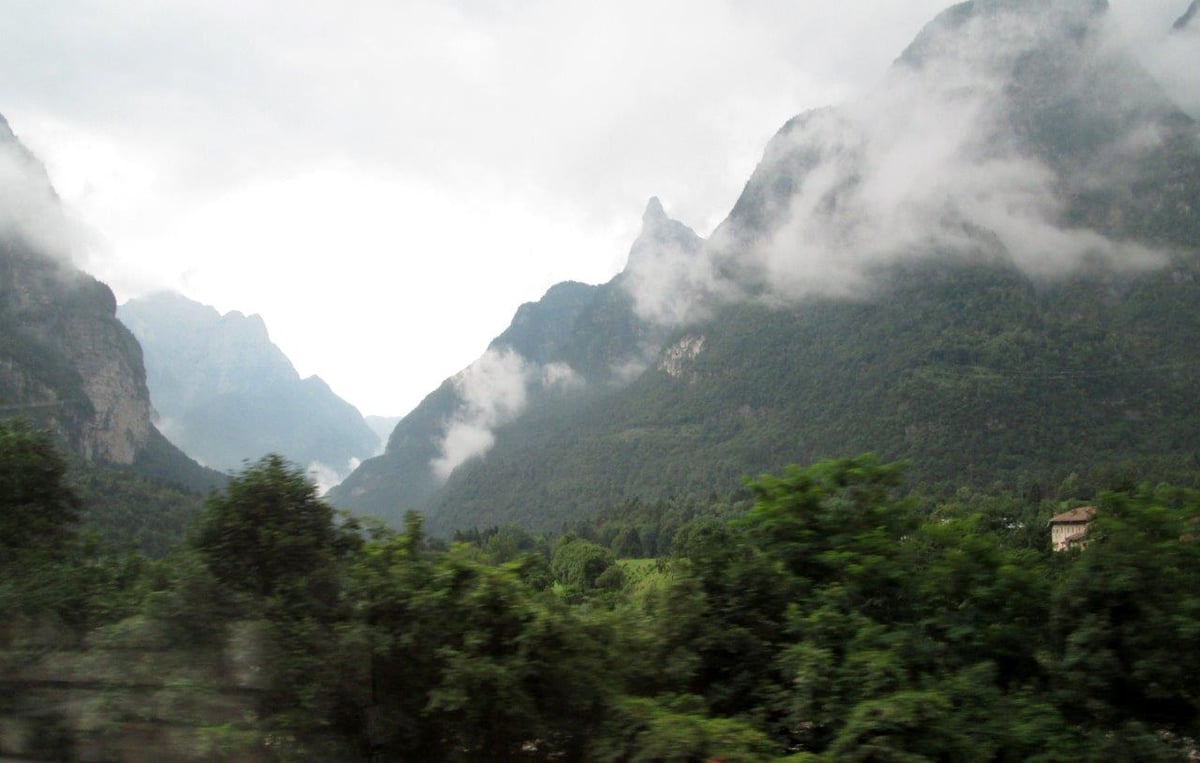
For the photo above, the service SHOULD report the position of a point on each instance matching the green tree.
(1126, 616)
(577, 563)
(677, 731)
(39, 511)
(628, 544)
(270, 535)
(273, 549)
(39, 515)
(469, 663)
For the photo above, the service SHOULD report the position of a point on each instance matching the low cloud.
(1173, 63)
(30, 211)
(929, 162)
(667, 274)
(327, 477)
(1165, 36)
(630, 368)
(560, 376)
(493, 391)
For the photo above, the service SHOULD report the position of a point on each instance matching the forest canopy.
(835, 616)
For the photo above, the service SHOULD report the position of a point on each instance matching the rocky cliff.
(66, 363)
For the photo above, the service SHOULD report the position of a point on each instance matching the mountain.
(405, 475)
(225, 394)
(66, 363)
(1186, 19)
(575, 338)
(986, 266)
(69, 366)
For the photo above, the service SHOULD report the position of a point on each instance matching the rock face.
(225, 393)
(65, 360)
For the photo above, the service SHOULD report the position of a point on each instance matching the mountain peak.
(663, 267)
(1183, 21)
(654, 214)
(659, 228)
(230, 393)
(1012, 28)
(6, 133)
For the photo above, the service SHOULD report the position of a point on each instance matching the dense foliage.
(125, 508)
(834, 619)
(47, 565)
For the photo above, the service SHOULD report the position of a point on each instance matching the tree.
(272, 543)
(269, 535)
(577, 562)
(39, 514)
(38, 509)
(1127, 612)
(469, 664)
(628, 544)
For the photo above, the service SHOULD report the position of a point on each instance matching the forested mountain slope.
(986, 266)
(576, 339)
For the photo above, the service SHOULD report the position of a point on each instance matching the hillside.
(986, 266)
(225, 394)
(576, 338)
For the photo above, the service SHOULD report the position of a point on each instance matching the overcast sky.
(386, 181)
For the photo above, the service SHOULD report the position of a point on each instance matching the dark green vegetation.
(834, 619)
(46, 563)
(225, 394)
(401, 480)
(126, 509)
(975, 374)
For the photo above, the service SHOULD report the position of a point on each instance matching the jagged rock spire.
(654, 213)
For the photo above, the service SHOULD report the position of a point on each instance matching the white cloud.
(925, 163)
(493, 391)
(375, 157)
(29, 210)
(325, 477)
(667, 278)
(560, 376)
